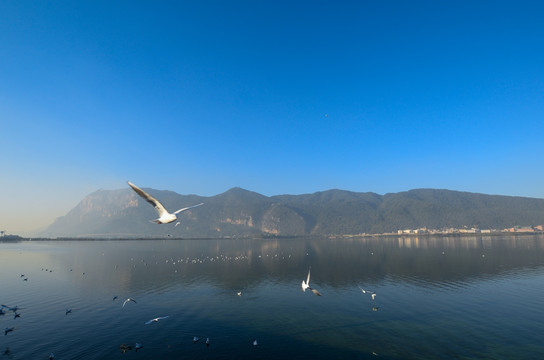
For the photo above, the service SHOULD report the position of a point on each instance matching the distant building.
(469, 231)
(520, 229)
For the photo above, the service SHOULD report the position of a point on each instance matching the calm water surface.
(437, 298)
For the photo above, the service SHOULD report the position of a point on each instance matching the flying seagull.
(164, 216)
(156, 320)
(372, 293)
(306, 284)
(127, 300)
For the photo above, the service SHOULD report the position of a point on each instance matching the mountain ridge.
(241, 212)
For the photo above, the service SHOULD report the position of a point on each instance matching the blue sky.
(277, 97)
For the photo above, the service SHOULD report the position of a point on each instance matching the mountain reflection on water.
(233, 264)
(437, 297)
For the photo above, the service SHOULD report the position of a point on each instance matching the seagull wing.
(156, 319)
(150, 199)
(308, 278)
(128, 300)
(190, 207)
(316, 292)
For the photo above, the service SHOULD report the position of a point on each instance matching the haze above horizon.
(274, 97)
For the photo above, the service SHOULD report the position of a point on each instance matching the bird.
(137, 347)
(115, 298)
(239, 293)
(306, 284)
(7, 330)
(51, 356)
(177, 224)
(68, 311)
(127, 300)
(195, 339)
(156, 320)
(255, 343)
(164, 216)
(16, 315)
(372, 293)
(207, 341)
(14, 308)
(124, 348)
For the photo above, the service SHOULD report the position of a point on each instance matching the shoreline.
(16, 238)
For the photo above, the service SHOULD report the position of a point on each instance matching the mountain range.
(239, 212)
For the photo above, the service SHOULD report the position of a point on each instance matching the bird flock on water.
(164, 218)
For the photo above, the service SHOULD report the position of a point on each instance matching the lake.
(472, 297)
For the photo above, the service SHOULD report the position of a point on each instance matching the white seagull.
(164, 216)
(156, 319)
(127, 300)
(306, 284)
(372, 293)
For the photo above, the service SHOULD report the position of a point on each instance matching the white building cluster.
(472, 230)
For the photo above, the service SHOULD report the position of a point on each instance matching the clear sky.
(277, 97)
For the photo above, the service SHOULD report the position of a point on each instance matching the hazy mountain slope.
(242, 212)
(444, 208)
